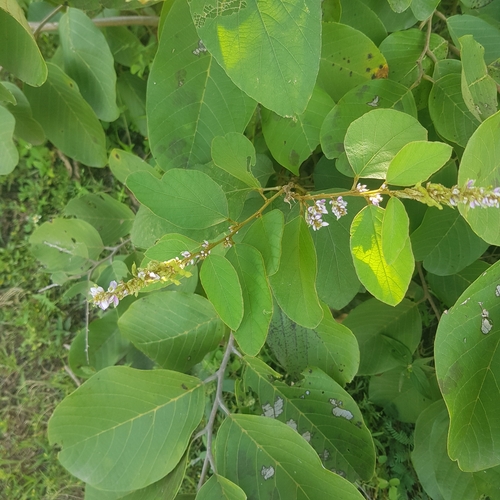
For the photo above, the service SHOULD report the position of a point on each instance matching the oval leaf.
(387, 282)
(395, 230)
(220, 488)
(174, 329)
(8, 150)
(222, 286)
(140, 420)
(187, 198)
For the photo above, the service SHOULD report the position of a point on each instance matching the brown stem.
(45, 20)
(427, 294)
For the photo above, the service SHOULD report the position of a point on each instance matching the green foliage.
(255, 257)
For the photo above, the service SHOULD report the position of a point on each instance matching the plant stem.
(427, 294)
(218, 403)
(46, 19)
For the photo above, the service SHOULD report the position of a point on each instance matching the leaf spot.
(307, 436)
(291, 423)
(273, 411)
(267, 472)
(338, 411)
(497, 291)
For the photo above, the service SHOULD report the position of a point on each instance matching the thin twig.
(427, 294)
(48, 287)
(218, 403)
(46, 19)
(425, 52)
(68, 370)
(440, 15)
(102, 22)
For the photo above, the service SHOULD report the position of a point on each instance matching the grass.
(35, 327)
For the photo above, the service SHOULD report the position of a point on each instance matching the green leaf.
(186, 198)
(440, 476)
(141, 421)
(5, 94)
(468, 368)
(294, 284)
(395, 230)
(265, 46)
(88, 60)
(445, 243)
(266, 458)
(330, 346)
(307, 407)
(480, 163)
(373, 140)
(387, 335)
(67, 245)
(190, 99)
(125, 46)
(358, 101)
(416, 162)
(8, 150)
(174, 329)
(26, 128)
(399, 5)
(403, 48)
(348, 59)
(397, 391)
(106, 346)
(265, 235)
(220, 488)
(19, 52)
(235, 154)
(450, 116)
(292, 140)
(387, 282)
(358, 15)
(132, 92)
(337, 281)
(122, 164)
(66, 118)
(164, 489)
(422, 9)
(112, 219)
(488, 35)
(392, 20)
(257, 298)
(449, 288)
(479, 90)
(222, 286)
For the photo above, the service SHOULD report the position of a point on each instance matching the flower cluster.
(314, 214)
(155, 272)
(437, 195)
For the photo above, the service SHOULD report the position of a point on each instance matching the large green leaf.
(235, 154)
(220, 488)
(337, 281)
(174, 329)
(440, 476)
(481, 162)
(348, 59)
(445, 243)
(88, 60)
(8, 150)
(357, 14)
(449, 288)
(222, 286)
(190, 98)
(66, 118)
(292, 140)
(264, 46)
(106, 346)
(450, 116)
(294, 284)
(468, 368)
(387, 335)
(479, 90)
(19, 52)
(265, 235)
(307, 407)
(27, 128)
(330, 346)
(358, 101)
(422, 9)
(267, 458)
(373, 140)
(416, 162)
(112, 219)
(6, 95)
(132, 93)
(68, 245)
(488, 35)
(395, 230)
(257, 298)
(134, 424)
(387, 282)
(186, 198)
